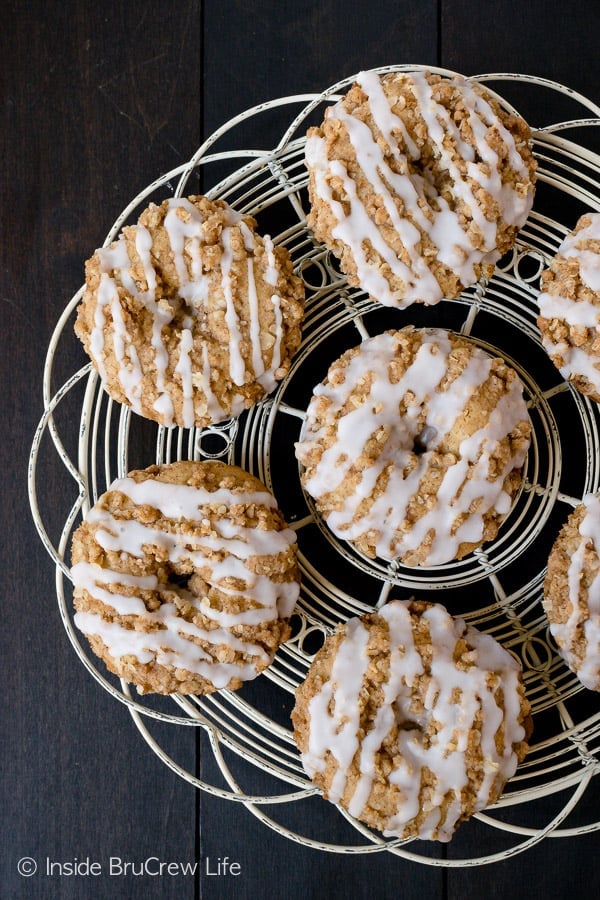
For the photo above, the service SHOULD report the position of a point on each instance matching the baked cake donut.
(413, 445)
(569, 305)
(411, 720)
(190, 316)
(572, 591)
(185, 577)
(418, 184)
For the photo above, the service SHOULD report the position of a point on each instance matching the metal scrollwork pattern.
(498, 588)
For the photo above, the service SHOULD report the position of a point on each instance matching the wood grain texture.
(97, 101)
(550, 40)
(94, 106)
(255, 55)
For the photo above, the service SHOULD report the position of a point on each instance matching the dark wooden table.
(99, 99)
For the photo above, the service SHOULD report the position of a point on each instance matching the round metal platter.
(497, 588)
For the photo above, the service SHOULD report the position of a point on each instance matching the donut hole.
(407, 725)
(424, 439)
(404, 719)
(179, 581)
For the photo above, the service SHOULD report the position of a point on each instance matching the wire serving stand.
(498, 588)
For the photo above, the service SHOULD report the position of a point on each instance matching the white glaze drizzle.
(237, 367)
(186, 242)
(337, 731)
(576, 311)
(334, 719)
(269, 377)
(430, 215)
(168, 646)
(254, 328)
(405, 666)
(181, 501)
(162, 316)
(584, 609)
(379, 411)
(214, 408)
(588, 259)
(235, 547)
(184, 370)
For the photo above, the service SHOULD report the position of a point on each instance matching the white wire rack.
(90, 440)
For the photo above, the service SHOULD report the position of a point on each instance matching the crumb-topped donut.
(418, 184)
(185, 576)
(569, 305)
(411, 720)
(190, 316)
(572, 591)
(413, 445)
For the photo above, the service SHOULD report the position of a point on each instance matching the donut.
(190, 316)
(569, 307)
(184, 577)
(418, 183)
(413, 445)
(572, 591)
(411, 720)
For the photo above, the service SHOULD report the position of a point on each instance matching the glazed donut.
(185, 577)
(572, 591)
(418, 184)
(569, 304)
(411, 720)
(190, 316)
(413, 446)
